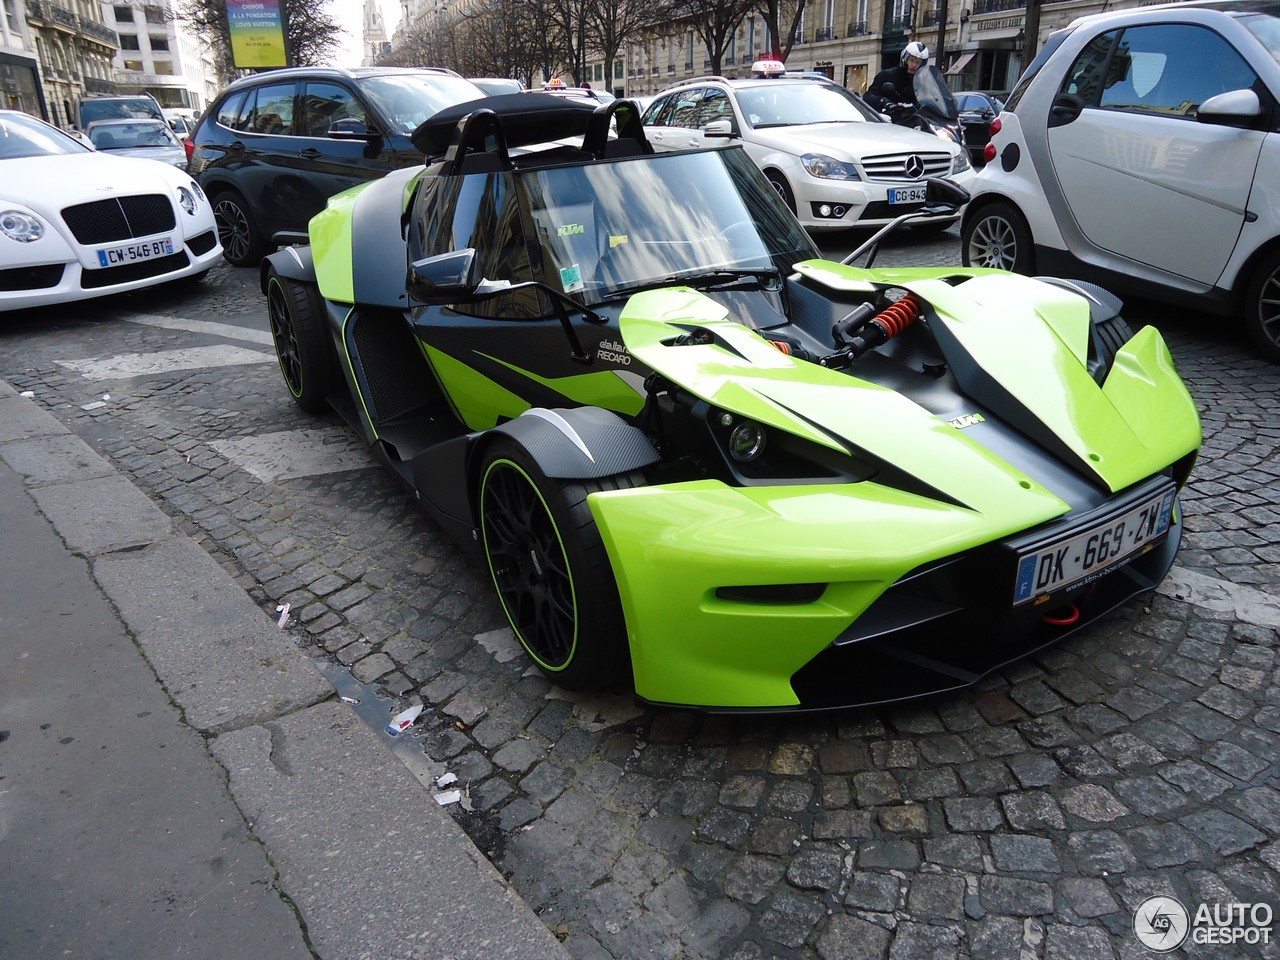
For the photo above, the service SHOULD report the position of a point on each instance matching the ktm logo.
(968, 420)
(570, 229)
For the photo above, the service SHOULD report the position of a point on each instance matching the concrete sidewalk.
(176, 777)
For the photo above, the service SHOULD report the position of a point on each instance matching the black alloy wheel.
(551, 570)
(296, 316)
(242, 243)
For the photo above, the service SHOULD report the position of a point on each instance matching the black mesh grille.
(202, 244)
(106, 221)
(31, 278)
(92, 279)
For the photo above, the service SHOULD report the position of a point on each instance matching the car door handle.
(1064, 109)
(311, 153)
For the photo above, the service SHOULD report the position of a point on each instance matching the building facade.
(374, 38)
(158, 55)
(74, 48)
(19, 65)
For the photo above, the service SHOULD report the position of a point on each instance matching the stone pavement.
(1026, 818)
(133, 662)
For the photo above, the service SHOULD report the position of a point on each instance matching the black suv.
(274, 146)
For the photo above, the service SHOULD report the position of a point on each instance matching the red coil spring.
(893, 320)
(782, 345)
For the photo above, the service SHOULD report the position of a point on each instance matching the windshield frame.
(432, 91)
(33, 131)
(658, 220)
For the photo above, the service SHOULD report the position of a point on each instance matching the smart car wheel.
(998, 237)
(1262, 307)
(242, 243)
(550, 568)
(783, 189)
(297, 328)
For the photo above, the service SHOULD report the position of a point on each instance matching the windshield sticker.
(968, 420)
(571, 279)
(617, 241)
(570, 230)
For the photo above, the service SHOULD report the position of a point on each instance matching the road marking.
(228, 330)
(126, 365)
(296, 453)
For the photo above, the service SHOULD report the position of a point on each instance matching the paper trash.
(403, 721)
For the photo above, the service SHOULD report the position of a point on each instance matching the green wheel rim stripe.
(533, 577)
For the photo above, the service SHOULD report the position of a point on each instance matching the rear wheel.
(242, 241)
(783, 189)
(551, 570)
(999, 237)
(297, 328)
(1262, 307)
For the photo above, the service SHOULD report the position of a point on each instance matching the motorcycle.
(937, 112)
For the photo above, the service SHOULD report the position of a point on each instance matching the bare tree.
(715, 22)
(615, 23)
(775, 12)
(311, 34)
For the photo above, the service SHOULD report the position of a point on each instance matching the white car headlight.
(960, 162)
(828, 168)
(187, 200)
(20, 226)
(196, 188)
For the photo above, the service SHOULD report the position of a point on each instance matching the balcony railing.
(822, 33)
(671, 68)
(997, 6)
(730, 60)
(653, 71)
(688, 66)
(931, 18)
(91, 28)
(897, 25)
(857, 28)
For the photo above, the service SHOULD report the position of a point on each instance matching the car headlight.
(20, 226)
(828, 168)
(187, 200)
(960, 162)
(195, 187)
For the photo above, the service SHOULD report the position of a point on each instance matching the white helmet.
(914, 49)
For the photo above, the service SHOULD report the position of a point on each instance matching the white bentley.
(75, 223)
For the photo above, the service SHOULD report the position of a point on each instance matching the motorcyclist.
(900, 79)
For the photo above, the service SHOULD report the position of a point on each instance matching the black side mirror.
(446, 278)
(350, 128)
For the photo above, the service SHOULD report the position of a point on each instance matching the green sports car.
(697, 457)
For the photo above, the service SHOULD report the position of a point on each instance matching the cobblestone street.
(1026, 818)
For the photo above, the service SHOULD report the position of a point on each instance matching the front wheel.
(1262, 307)
(999, 237)
(551, 570)
(242, 241)
(296, 315)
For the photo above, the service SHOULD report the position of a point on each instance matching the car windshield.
(25, 136)
(778, 104)
(406, 99)
(608, 228)
(122, 136)
(1266, 27)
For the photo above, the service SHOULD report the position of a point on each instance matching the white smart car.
(1140, 151)
(836, 162)
(76, 223)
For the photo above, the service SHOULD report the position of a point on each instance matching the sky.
(350, 14)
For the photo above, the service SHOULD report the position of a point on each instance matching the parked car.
(125, 106)
(696, 457)
(145, 139)
(834, 161)
(273, 146)
(1140, 150)
(76, 223)
(977, 109)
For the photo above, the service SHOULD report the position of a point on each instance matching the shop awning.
(961, 63)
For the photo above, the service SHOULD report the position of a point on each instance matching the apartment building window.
(129, 41)
(11, 15)
(159, 43)
(153, 14)
(134, 65)
(163, 68)
(751, 38)
(123, 14)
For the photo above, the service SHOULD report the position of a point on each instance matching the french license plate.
(906, 194)
(133, 252)
(1084, 556)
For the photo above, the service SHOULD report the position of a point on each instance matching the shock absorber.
(865, 333)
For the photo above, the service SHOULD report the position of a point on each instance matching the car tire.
(296, 316)
(783, 189)
(242, 241)
(1262, 307)
(998, 236)
(550, 568)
